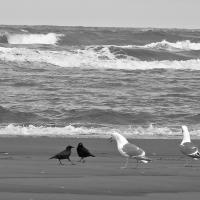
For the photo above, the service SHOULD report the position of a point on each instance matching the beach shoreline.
(27, 172)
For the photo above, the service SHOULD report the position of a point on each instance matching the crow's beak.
(110, 139)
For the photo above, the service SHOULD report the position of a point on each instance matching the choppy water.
(72, 81)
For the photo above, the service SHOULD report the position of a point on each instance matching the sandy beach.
(82, 71)
(27, 173)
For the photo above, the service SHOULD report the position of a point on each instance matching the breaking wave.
(102, 132)
(179, 45)
(49, 38)
(93, 57)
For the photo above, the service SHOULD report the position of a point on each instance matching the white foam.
(185, 45)
(90, 58)
(181, 45)
(34, 131)
(105, 132)
(50, 38)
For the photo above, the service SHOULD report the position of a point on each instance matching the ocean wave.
(103, 132)
(49, 38)
(108, 116)
(73, 36)
(91, 116)
(91, 57)
(7, 116)
(179, 45)
(149, 54)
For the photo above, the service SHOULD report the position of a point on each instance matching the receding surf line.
(101, 132)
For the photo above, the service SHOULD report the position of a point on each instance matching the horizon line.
(83, 26)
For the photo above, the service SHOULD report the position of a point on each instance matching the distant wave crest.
(49, 38)
(181, 45)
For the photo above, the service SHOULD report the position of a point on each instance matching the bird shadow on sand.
(7, 158)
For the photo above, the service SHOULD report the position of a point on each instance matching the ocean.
(88, 82)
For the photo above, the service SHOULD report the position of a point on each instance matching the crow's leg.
(70, 161)
(80, 160)
(60, 163)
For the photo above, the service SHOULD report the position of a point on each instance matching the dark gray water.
(98, 83)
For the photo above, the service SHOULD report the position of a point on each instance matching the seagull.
(83, 152)
(187, 147)
(64, 155)
(129, 150)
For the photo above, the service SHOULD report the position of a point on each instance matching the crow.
(83, 152)
(63, 155)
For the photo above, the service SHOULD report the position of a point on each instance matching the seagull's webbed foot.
(123, 167)
(188, 163)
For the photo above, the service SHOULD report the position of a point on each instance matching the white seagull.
(129, 150)
(187, 147)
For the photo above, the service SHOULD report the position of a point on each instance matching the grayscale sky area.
(114, 13)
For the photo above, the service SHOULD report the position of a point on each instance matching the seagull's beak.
(110, 139)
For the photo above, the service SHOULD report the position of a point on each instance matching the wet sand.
(27, 173)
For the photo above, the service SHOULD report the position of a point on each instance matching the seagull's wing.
(133, 150)
(190, 149)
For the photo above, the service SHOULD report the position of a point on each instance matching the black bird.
(64, 155)
(83, 152)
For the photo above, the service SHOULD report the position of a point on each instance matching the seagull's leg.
(188, 164)
(126, 164)
(137, 163)
(70, 161)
